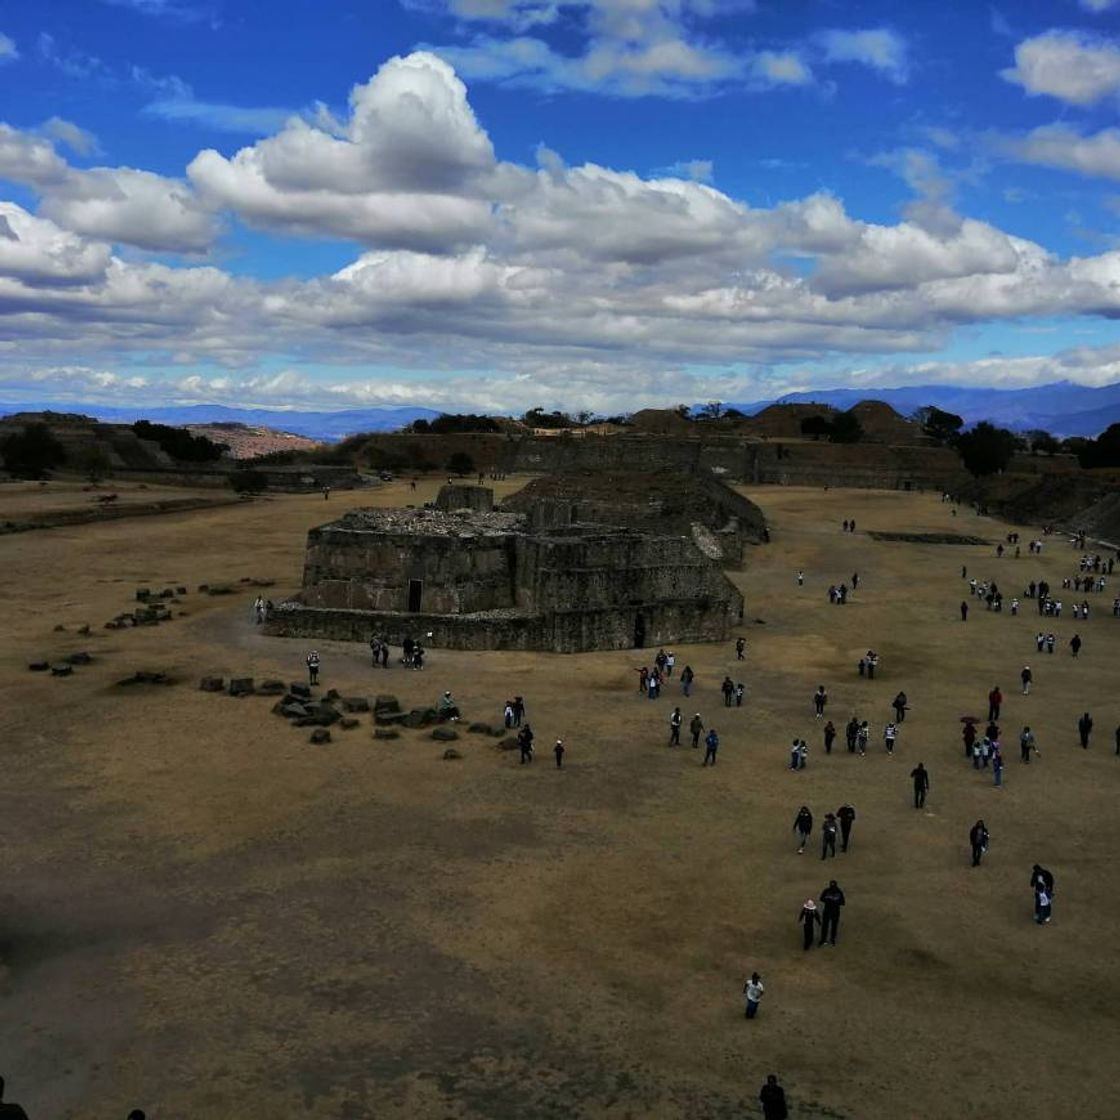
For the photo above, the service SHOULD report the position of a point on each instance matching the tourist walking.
(809, 918)
(773, 1098)
(754, 990)
(978, 838)
(964, 611)
(1075, 644)
(1085, 729)
(313, 664)
(1026, 744)
(525, 744)
(803, 826)
(696, 729)
(997, 768)
(899, 705)
(1026, 677)
(920, 777)
(829, 736)
(687, 677)
(846, 815)
(820, 698)
(1042, 883)
(728, 690)
(995, 699)
(711, 745)
(675, 721)
(740, 646)
(828, 836)
(851, 731)
(832, 898)
(558, 751)
(890, 734)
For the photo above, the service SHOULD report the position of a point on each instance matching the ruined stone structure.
(683, 502)
(477, 579)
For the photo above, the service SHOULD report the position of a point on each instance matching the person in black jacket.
(851, 732)
(1084, 729)
(920, 777)
(828, 836)
(803, 825)
(773, 1098)
(832, 898)
(978, 838)
(846, 815)
(1040, 874)
(9, 1110)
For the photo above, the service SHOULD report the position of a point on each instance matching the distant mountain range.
(1062, 408)
(324, 426)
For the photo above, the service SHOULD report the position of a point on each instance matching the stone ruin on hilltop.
(473, 577)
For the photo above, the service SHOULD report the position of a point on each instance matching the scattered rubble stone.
(445, 734)
(386, 702)
(348, 723)
(60, 629)
(508, 744)
(355, 703)
(81, 658)
(39, 666)
(147, 676)
(62, 670)
(241, 686)
(319, 736)
(481, 729)
(451, 753)
(212, 684)
(271, 687)
(300, 690)
(84, 629)
(386, 733)
(389, 719)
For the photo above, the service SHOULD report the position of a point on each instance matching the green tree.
(816, 426)
(986, 449)
(179, 443)
(93, 461)
(1104, 451)
(938, 424)
(846, 428)
(246, 481)
(32, 452)
(460, 463)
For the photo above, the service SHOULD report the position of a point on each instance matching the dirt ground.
(203, 915)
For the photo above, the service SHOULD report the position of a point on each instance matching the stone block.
(481, 729)
(355, 703)
(386, 733)
(39, 666)
(62, 670)
(303, 691)
(81, 658)
(348, 723)
(320, 736)
(451, 753)
(241, 686)
(445, 734)
(271, 688)
(212, 684)
(386, 702)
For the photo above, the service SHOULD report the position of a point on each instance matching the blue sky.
(602, 204)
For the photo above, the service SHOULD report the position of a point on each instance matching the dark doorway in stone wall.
(639, 630)
(415, 592)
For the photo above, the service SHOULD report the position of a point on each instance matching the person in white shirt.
(754, 990)
(890, 733)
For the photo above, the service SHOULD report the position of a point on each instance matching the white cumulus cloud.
(1073, 66)
(879, 47)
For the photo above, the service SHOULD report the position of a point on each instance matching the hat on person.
(810, 904)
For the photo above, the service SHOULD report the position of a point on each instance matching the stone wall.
(355, 569)
(573, 631)
(462, 496)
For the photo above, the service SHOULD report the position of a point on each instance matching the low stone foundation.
(575, 631)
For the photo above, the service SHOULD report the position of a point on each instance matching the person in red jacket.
(995, 699)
